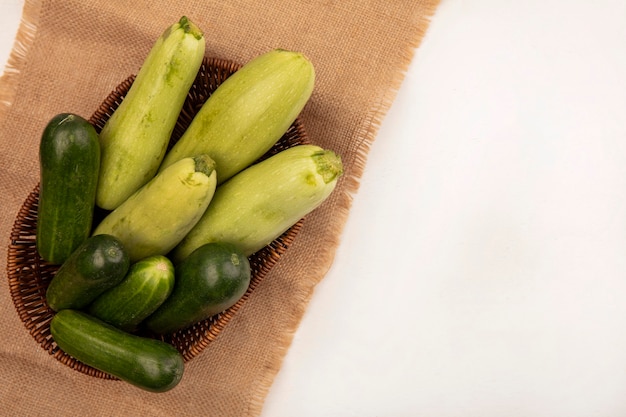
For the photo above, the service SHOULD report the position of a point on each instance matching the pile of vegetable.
(173, 248)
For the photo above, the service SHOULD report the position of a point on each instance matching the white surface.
(482, 271)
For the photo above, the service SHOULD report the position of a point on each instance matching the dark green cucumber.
(212, 279)
(98, 264)
(146, 286)
(69, 161)
(149, 364)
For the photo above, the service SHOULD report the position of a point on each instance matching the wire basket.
(29, 275)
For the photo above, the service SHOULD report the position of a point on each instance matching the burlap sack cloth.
(70, 54)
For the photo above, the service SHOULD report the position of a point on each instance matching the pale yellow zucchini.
(157, 216)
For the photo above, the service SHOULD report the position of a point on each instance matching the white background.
(482, 271)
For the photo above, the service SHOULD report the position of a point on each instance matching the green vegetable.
(248, 112)
(69, 161)
(212, 279)
(146, 286)
(149, 364)
(134, 140)
(260, 203)
(157, 217)
(99, 263)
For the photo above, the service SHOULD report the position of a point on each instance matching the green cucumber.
(149, 364)
(69, 161)
(248, 112)
(260, 203)
(98, 264)
(212, 279)
(146, 286)
(158, 215)
(134, 140)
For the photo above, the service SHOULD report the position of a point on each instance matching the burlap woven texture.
(70, 54)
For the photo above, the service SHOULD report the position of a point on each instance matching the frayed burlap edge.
(9, 83)
(24, 39)
(365, 139)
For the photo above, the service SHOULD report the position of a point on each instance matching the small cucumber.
(99, 263)
(134, 140)
(146, 286)
(248, 112)
(260, 203)
(209, 281)
(149, 364)
(158, 215)
(69, 161)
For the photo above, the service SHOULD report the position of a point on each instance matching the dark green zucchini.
(98, 264)
(212, 279)
(69, 161)
(149, 364)
(146, 286)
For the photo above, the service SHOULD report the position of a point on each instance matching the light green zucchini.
(134, 140)
(157, 216)
(248, 112)
(260, 203)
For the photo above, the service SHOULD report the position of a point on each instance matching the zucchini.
(213, 278)
(69, 161)
(99, 263)
(260, 203)
(149, 364)
(146, 286)
(134, 140)
(156, 218)
(248, 113)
